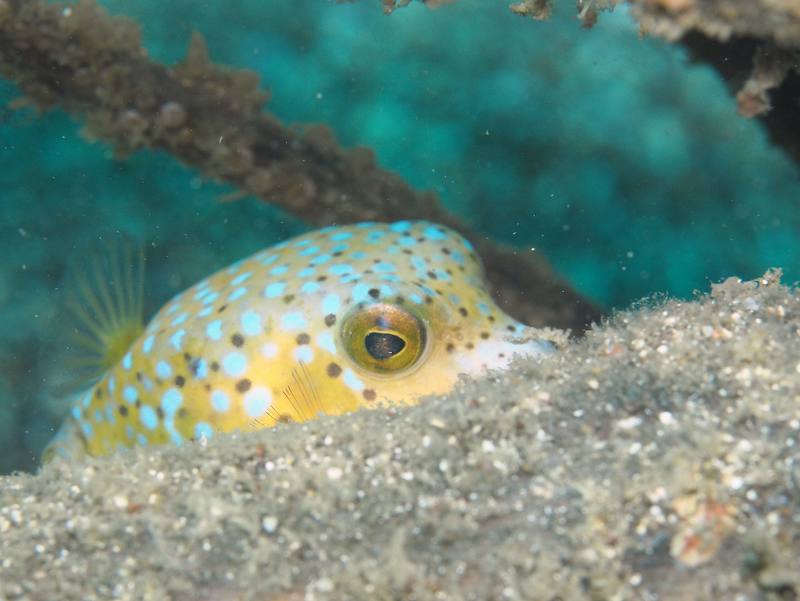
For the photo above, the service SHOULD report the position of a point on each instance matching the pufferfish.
(329, 322)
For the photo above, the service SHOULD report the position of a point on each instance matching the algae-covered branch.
(80, 59)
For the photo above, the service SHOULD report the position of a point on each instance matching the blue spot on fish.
(275, 289)
(237, 294)
(432, 233)
(321, 259)
(130, 394)
(163, 370)
(331, 304)
(293, 320)
(234, 364)
(214, 329)
(203, 430)
(340, 269)
(176, 340)
(307, 252)
(148, 417)
(220, 401)
(383, 267)
(309, 287)
(251, 323)
(241, 278)
(201, 369)
(171, 401)
(360, 293)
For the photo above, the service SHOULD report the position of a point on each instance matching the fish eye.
(384, 338)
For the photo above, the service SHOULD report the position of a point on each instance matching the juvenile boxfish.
(328, 322)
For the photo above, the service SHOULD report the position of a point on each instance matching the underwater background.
(626, 168)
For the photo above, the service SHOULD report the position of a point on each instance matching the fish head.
(410, 313)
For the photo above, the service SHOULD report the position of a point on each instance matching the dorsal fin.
(105, 297)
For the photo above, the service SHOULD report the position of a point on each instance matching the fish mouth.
(525, 343)
(530, 342)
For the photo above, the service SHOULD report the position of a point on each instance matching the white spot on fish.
(304, 354)
(257, 401)
(325, 341)
(352, 380)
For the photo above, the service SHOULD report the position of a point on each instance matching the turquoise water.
(623, 164)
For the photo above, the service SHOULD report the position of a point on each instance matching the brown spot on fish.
(334, 370)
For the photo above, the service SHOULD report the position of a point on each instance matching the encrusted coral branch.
(92, 65)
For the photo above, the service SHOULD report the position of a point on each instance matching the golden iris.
(384, 338)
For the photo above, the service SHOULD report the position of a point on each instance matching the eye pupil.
(382, 345)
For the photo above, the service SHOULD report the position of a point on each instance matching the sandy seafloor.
(657, 458)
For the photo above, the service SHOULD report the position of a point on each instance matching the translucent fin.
(68, 443)
(105, 300)
(303, 401)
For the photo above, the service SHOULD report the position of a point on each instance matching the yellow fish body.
(329, 322)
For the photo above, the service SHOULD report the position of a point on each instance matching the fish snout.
(497, 352)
